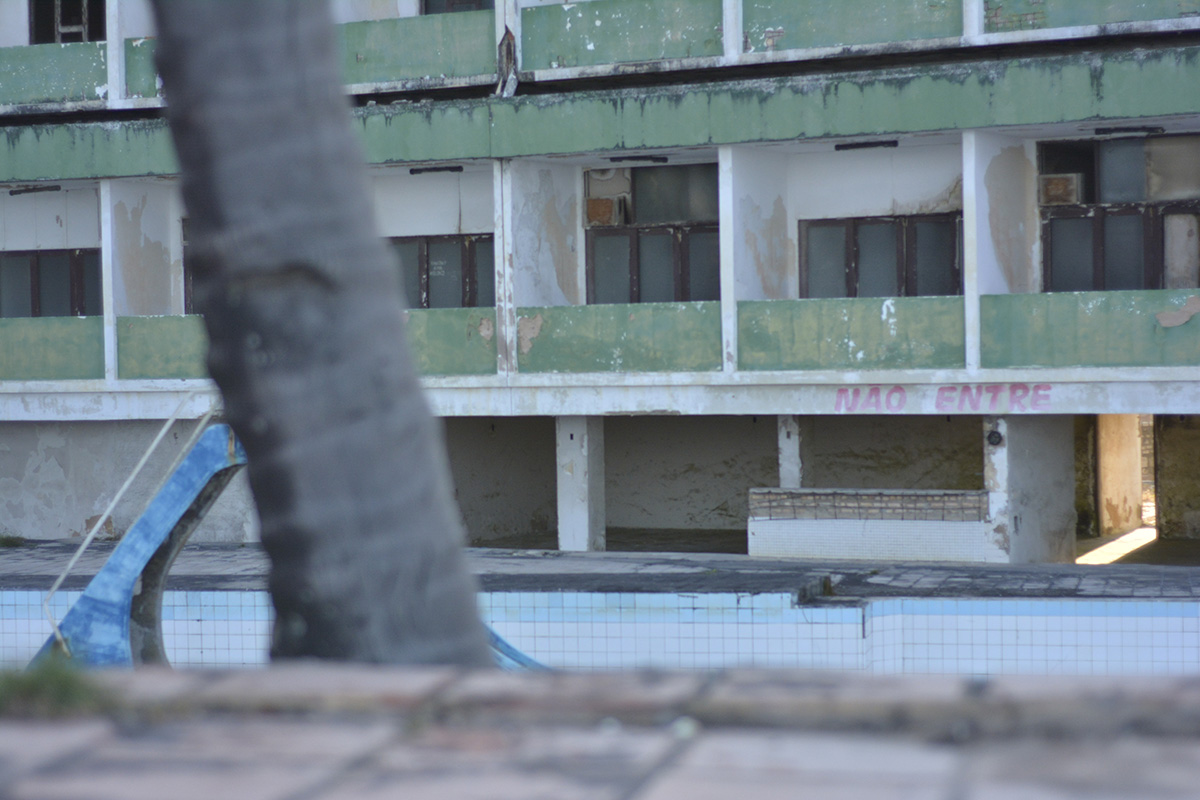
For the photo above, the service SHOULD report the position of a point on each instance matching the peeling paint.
(528, 329)
(1011, 220)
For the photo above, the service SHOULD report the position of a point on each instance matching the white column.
(973, 20)
(791, 466)
(506, 309)
(508, 14)
(726, 236)
(114, 46)
(581, 508)
(732, 30)
(108, 266)
(972, 218)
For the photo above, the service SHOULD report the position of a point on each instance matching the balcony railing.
(53, 73)
(51, 348)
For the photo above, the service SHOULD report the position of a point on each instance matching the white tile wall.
(611, 630)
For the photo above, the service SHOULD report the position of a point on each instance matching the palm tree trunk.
(302, 303)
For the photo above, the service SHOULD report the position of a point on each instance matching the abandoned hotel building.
(887, 279)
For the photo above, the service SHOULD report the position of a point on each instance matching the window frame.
(92, 27)
(680, 234)
(906, 250)
(469, 245)
(477, 5)
(76, 281)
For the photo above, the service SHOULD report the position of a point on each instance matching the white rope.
(87, 540)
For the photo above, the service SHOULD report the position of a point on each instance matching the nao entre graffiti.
(952, 398)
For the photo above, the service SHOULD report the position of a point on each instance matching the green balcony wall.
(617, 31)
(1089, 329)
(857, 333)
(141, 75)
(51, 348)
(648, 337)
(410, 48)
(1014, 15)
(53, 73)
(453, 341)
(786, 24)
(161, 347)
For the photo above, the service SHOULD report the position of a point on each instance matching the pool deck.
(244, 567)
(319, 732)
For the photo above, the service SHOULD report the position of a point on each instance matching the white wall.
(56, 477)
(547, 226)
(1007, 231)
(362, 10)
(147, 252)
(765, 237)
(434, 203)
(14, 23)
(1041, 489)
(909, 179)
(137, 19)
(55, 220)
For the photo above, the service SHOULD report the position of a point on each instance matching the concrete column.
(1119, 473)
(732, 27)
(506, 310)
(108, 266)
(1176, 479)
(114, 55)
(974, 213)
(727, 237)
(791, 467)
(1041, 488)
(581, 507)
(973, 20)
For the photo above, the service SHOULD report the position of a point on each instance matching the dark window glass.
(485, 273)
(610, 268)
(656, 267)
(685, 193)
(448, 6)
(825, 258)
(704, 266)
(50, 283)
(66, 21)
(878, 261)
(936, 257)
(1124, 252)
(1071, 263)
(441, 271)
(880, 257)
(1122, 171)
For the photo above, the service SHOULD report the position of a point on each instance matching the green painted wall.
(438, 45)
(141, 76)
(1077, 87)
(1015, 15)
(45, 73)
(786, 24)
(453, 341)
(1089, 329)
(648, 337)
(161, 347)
(613, 31)
(51, 348)
(857, 333)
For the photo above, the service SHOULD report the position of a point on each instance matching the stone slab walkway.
(244, 567)
(318, 732)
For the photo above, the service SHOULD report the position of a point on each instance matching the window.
(448, 6)
(881, 256)
(447, 271)
(57, 21)
(50, 283)
(1120, 214)
(652, 235)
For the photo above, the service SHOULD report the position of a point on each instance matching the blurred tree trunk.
(303, 308)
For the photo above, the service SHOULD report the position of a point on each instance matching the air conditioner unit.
(607, 211)
(1065, 189)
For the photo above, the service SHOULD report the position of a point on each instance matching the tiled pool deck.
(624, 610)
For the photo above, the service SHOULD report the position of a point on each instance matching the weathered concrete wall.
(687, 472)
(1008, 232)
(764, 265)
(1087, 516)
(1012, 15)
(504, 477)
(1177, 480)
(892, 452)
(781, 25)
(147, 248)
(1041, 489)
(56, 478)
(136, 19)
(50, 220)
(14, 23)
(910, 179)
(1119, 458)
(433, 203)
(547, 226)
